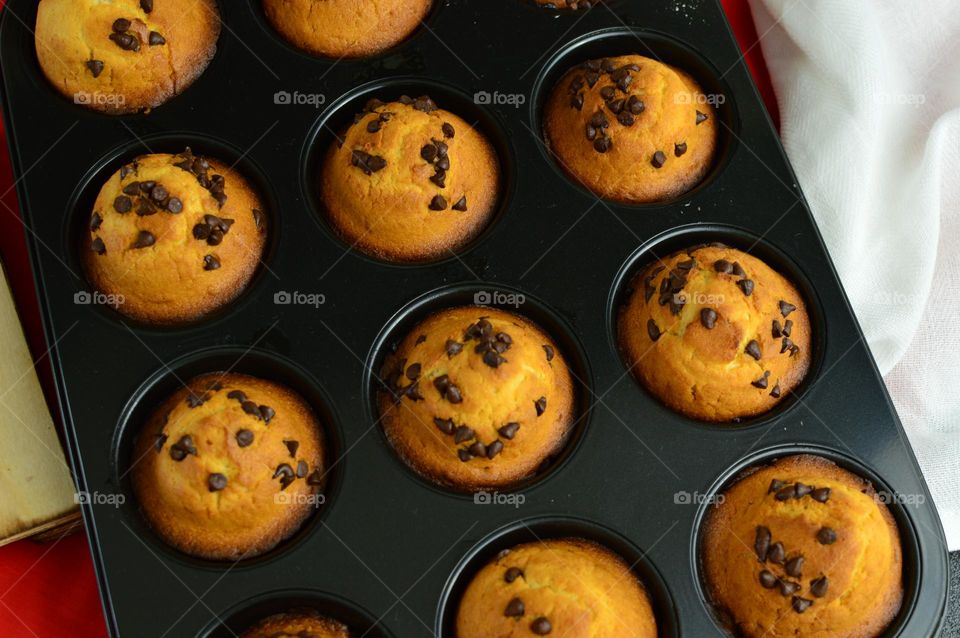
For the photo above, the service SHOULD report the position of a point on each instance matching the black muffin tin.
(388, 552)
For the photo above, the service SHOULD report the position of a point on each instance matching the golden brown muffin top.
(566, 587)
(479, 397)
(125, 55)
(229, 466)
(715, 333)
(346, 28)
(297, 625)
(409, 181)
(174, 237)
(802, 547)
(631, 129)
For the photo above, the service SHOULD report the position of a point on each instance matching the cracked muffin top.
(802, 547)
(409, 181)
(560, 587)
(715, 333)
(173, 237)
(125, 56)
(631, 129)
(476, 398)
(229, 466)
(345, 28)
(297, 624)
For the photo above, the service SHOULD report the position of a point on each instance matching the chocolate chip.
(122, 204)
(746, 286)
(826, 536)
(156, 39)
(438, 203)
(302, 468)
(159, 441)
(425, 104)
(444, 425)
(216, 482)
(512, 574)
(492, 358)
(776, 554)
(494, 448)
(761, 543)
(786, 308)
(251, 408)
(787, 493)
(158, 193)
(126, 41)
(608, 92)
(787, 327)
(447, 129)
(549, 352)
(201, 231)
(477, 449)
(788, 587)
(413, 372)
(463, 433)
(785, 345)
(818, 586)
(121, 25)
(652, 330)
(292, 447)
(708, 317)
(373, 125)
(428, 152)
(794, 566)
(238, 395)
(775, 393)
(144, 239)
(461, 204)
(625, 118)
(174, 205)
(738, 270)
(679, 149)
(439, 178)
(617, 107)
(768, 580)
(762, 381)
(602, 144)
(453, 347)
(775, 486)
(635, 105)
(541, 626)
(146, 5)
(753, 349)
(723, 266)
(801, 605)
(701, 118)
(514, 608)
(95, 221)
(776, 329)
(509, 430)
(802, 489)
(659, 159)
(821, 494)
(315, 478)
(215, 237)
(541, 405)
(258, 217)
(244, 438)
(95, 66)
(210, 262)
(267, 413)
(463, 455)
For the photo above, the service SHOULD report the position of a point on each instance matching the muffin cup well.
(480, 294)
(170, 378)
(85, 194)
(339, 115)
(620, 41)
(683, 237)
(551, 527)
(895, 502)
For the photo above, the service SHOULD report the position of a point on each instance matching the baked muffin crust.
(126, 55)
(476, 397)
(715, 333)
(564, 587)
(409, 181)
(229, 466)
(631, 129)
(802, 547)
(300, 624)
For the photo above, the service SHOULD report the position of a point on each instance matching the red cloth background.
(48, 590)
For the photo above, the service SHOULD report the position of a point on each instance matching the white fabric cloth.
(869, 97)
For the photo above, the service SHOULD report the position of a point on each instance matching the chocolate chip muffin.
(631, 129)
(803, 548)
(715, 333)
(409, 181)
(229, 466)
(476, 398)
(126, 55)
(345, 28)
(568, 4)
(174, 237)
(566, 587)
(298, 624)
